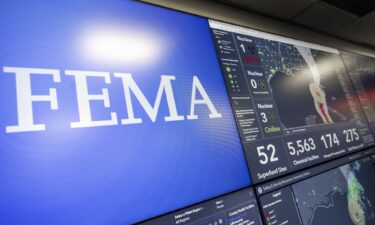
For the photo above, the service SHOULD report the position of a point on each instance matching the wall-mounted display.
(362, 72)
(338, 192)
(293, 101)
(111, 113)
(240, 207)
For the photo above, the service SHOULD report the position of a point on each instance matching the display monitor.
(339, 192)
(239, 207)
(112, 112)
(362, 72)
(293, 101)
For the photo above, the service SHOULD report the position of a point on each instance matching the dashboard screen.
(339, 192)
(293, 101)
(361, 70)
(240, 207)
(347, 191)
(111, 113)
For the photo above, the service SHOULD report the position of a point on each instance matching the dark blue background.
(116, 174)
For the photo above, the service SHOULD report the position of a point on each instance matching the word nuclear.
(25, 98)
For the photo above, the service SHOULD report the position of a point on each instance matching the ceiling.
(352, 20)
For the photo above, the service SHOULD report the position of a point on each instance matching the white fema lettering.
(25, 99)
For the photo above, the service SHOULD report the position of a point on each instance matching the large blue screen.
(111, 112)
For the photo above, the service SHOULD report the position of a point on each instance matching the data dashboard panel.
(361, 70)
(240, 208)
(293, 101)
(338, 192)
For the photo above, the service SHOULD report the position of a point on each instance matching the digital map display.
(344, 196)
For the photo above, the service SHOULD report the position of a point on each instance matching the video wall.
(361, 70)
(119, 112)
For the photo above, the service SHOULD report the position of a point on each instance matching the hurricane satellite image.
(300, 76)
(344, 196)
